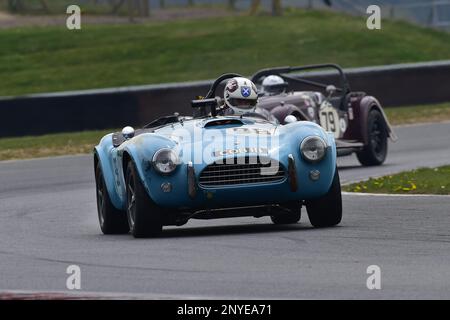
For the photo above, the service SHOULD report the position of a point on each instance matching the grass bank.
(420, 181)
(48, 59)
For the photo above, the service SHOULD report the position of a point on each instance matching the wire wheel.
(111, 220)
(131, 202)
(375, 152)
(144, 216)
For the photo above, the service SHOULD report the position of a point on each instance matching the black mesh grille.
(241, 171)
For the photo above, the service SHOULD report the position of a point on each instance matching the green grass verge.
(50, 145)
(48, 59)
(417, 114)
(420, 181)
(83, 142)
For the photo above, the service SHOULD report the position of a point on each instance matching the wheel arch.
(140, 152)
(369, 103)
(101, 159)
(132, 155)
(126, 158)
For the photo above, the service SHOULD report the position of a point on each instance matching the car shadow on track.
(228, 230)
(223, 230)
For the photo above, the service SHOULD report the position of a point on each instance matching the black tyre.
(291, 217)
(144, 216)
(326, 211)
(375, 152)
(112, 221)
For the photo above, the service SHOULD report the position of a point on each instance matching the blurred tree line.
(20, 5)
(134, 8)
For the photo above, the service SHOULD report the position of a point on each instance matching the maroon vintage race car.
(357, 120)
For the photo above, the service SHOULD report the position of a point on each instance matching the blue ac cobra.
(209, 166)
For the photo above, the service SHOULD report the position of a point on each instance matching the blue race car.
(215, 166)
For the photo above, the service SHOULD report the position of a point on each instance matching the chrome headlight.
(313, 148)
(165, 161)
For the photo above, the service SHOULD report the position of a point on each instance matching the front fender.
(367, 104)
(140, 151)
(104, 154)
(295, 133)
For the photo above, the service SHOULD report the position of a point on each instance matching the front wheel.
(144, 216)
(375, 152)
(326, 211)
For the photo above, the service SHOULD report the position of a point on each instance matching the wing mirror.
(128, 132)
(290, 119)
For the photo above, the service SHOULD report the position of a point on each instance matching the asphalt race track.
(48, 221)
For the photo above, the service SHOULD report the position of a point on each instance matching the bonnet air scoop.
(223, 122)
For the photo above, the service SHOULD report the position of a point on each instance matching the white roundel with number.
(329, 119)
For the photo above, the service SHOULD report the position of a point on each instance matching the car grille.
(238, 173)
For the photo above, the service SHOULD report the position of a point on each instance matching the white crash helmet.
(274, 84)
(241, 95)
